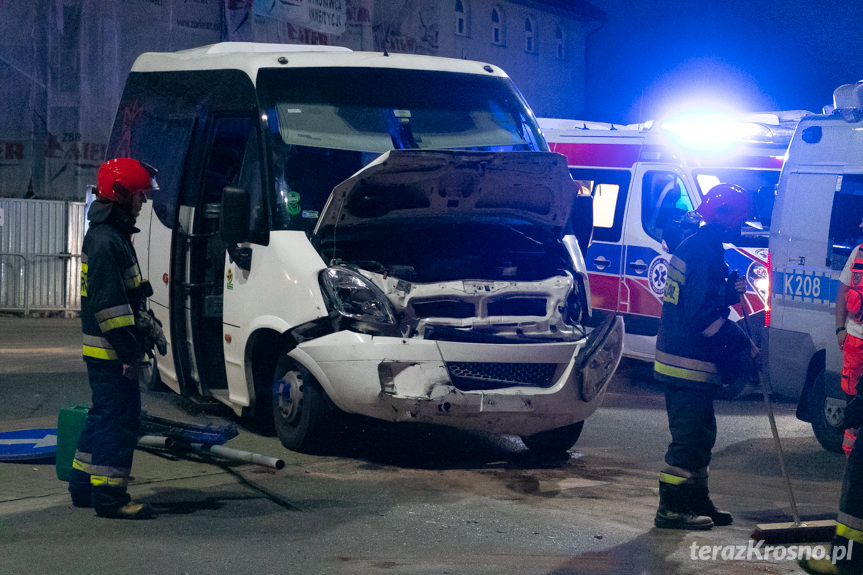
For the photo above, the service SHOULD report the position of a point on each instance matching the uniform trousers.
(107, 443)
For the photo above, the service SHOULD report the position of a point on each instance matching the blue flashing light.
(714, 132)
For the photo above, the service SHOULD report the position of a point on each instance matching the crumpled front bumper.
(518, 388)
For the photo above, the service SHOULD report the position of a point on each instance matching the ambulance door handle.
(601, 263)
(638, 266)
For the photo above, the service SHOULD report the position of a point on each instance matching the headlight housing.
(600, 357)
(355, 297)
(759, 278)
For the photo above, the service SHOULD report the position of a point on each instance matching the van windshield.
(327, 123)
(760, 183)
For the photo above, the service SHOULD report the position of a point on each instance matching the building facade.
(63, 62)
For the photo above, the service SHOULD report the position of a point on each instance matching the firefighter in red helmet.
(117, 332)
(697, 351)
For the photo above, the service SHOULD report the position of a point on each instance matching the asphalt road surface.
(400, 499)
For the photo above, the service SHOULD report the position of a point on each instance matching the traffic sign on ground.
(28, 444)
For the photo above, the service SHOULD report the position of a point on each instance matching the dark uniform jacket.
(694, 312)
(110, 287)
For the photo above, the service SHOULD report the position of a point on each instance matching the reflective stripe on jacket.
(694, 308)
(110, 288)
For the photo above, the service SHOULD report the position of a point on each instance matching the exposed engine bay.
(463, 246)
(476, 282)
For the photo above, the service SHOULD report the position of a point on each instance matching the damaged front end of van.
(457, 295)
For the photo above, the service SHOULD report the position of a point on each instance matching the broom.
(796, 531)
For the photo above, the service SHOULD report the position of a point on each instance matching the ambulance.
(644, 178)
(369, 233)
(816, 225)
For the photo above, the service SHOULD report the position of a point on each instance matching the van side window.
(609, 189)
(165, 147)
(225, 157)
(845, 220)
(251, 181)
(229, 146)
(664, 200)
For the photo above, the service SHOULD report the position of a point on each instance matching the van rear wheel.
(828, 415)
(554, 441)
(302, 413)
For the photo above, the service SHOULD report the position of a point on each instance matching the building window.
(497, 27)
(529, 35)
(560, 44)
(460, 18)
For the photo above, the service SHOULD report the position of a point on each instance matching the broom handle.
(781, 454)
(773, 429)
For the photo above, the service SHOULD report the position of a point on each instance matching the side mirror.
(234, 219)
(234, 225)
(580, 223)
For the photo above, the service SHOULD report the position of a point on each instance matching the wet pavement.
(398, 499)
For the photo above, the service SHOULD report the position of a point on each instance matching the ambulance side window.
(609, 189)
(845, 220)
(664, 201)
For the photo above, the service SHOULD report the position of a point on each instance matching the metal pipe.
(155, 441)
(239, 455)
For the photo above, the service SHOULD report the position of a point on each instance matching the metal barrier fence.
(40, 282)
(40, 261)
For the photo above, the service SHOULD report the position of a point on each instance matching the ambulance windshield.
(760, 183)
(327, 123)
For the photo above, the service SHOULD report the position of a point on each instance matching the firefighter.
(697, 351)
(849, 330)
(849, 334)
(846, 554)
(117, 332)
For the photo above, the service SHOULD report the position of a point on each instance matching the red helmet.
(727, 205)
(121, 178)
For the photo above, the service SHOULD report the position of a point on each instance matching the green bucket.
(70, 424)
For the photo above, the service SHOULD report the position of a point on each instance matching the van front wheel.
(828, 415)
(554, 441)
(302, 414)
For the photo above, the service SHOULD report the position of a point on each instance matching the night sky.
(756, 55)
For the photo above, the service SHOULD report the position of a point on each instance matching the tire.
(303, 416)
(827, 419)
(554, 441)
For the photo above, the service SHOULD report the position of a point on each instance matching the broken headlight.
(354, 296)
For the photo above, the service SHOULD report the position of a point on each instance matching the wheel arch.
(263, 349)
(805, 407)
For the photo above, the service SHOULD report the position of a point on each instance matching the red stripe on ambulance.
(604, 155)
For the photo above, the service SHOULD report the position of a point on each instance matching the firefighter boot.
(700, 503)
(115, 503)
(131, 510)
(674, 511)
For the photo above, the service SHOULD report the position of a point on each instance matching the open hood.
(405, 185)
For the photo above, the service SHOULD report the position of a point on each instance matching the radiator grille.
(468, 375)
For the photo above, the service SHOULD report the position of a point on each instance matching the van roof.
(251, 57)
(767, 128)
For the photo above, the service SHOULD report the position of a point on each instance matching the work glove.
(150, 331)
(735, 355)
(734, 286)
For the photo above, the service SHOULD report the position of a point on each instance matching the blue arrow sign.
(28, 444)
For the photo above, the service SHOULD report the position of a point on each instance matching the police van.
(816, 225)
(644, 178)
(371, 233)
